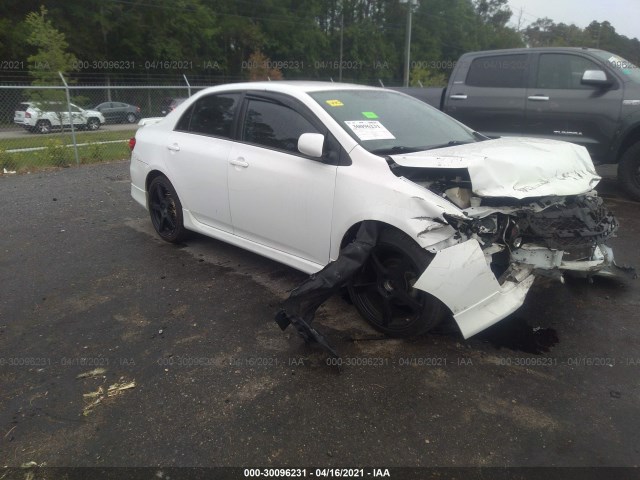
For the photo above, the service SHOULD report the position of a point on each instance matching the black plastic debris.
(303, 302)
(630, 271)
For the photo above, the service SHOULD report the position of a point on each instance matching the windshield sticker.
(334, 103)
(369, 115)
(369, 130)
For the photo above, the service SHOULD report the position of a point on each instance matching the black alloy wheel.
(165, 210)
(383, 292)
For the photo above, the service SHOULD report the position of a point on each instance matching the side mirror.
(311, 144)
(595, 77)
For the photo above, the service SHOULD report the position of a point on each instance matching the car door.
(559, 106)
(279, 197)
(491, 97)
(119, 111)
(77, 114)
(106, 110)
(196, 157)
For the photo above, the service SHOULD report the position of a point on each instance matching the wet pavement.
(201, 375)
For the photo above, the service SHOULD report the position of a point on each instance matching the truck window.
(563, 71)
(500, 71)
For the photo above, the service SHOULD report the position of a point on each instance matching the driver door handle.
(239, 162)
(174, 147)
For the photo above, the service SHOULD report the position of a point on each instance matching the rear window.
(500, 71)
(210, 115)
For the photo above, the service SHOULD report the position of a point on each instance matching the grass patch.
(37, 140)
(56, 153)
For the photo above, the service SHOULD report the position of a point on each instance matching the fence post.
(73, 132)
(188, 85)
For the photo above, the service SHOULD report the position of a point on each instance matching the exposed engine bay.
(551, 234)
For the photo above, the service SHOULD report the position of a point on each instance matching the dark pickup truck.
(580, 95)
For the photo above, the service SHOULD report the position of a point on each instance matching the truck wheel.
(43, 126)
(629, 171)
(383, 292)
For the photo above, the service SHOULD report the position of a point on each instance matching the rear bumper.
(139, 195)
(138, 171)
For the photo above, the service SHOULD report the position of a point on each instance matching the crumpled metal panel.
(460, 277)
(514, 167)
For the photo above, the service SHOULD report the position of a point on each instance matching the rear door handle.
(539, 98)
(174, 147)
(239, 162)
(458, 96)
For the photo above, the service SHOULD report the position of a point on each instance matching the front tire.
(629, 171)
(165, 210)
(382, 290)
(93, 124)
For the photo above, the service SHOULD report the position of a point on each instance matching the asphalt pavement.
(117, 349)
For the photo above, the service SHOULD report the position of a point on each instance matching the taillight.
(27, 115)
(132, 143)
(138, 109)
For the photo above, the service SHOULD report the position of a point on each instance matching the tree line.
(222, 40)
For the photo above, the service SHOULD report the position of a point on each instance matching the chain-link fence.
(76, 124)
(83, 122)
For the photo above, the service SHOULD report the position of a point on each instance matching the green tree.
(50, 58)
(52, 54)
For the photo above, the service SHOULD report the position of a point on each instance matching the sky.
(624, 15)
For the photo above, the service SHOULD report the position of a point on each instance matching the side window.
(561, 70)
(274, 125)
(501, 71)
(211, 115)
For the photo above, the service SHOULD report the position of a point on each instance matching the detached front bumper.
(461, 278)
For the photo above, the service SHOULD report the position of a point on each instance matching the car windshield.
(386, 122)
(625, 67)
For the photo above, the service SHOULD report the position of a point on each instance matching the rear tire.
(131, 118)
(382, 290)
(165, 210)
(43, 126)
(629, 171)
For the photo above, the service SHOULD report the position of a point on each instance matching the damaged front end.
(550, 235)
(490, 224)
(501, 244)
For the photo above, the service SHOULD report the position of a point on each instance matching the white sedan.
(291, 170)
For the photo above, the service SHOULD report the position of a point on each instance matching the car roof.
(533, 50)
(293, 86)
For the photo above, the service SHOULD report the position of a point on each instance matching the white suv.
(43, 117)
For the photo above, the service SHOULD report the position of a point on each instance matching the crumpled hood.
(515, 167)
